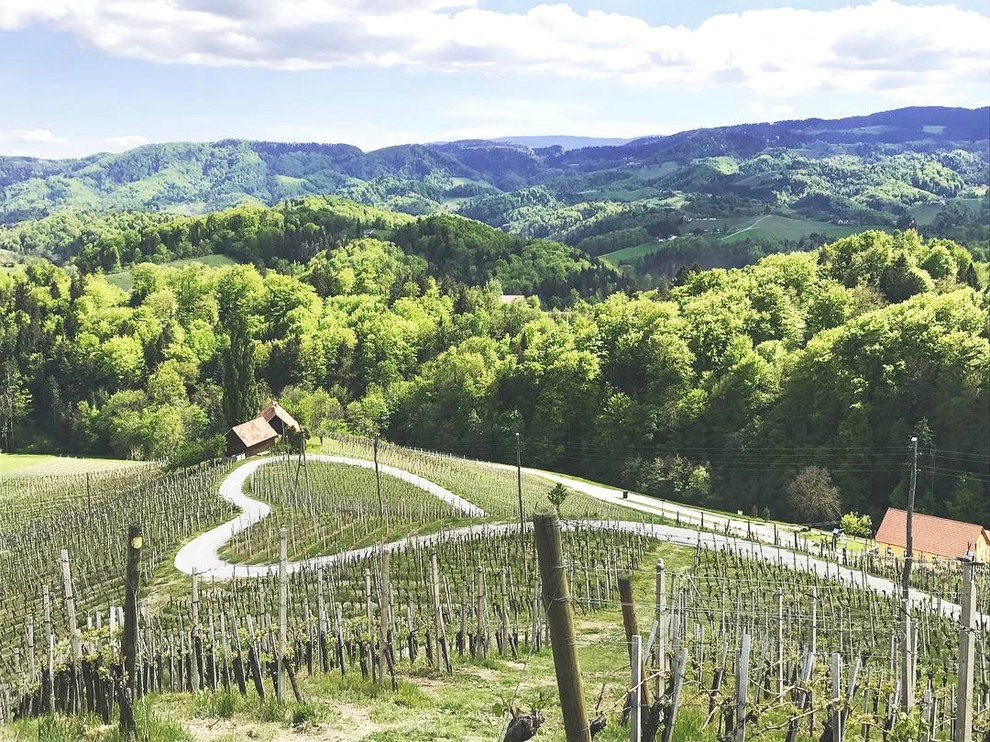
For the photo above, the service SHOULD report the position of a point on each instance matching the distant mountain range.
(864, 170)
(564, 142)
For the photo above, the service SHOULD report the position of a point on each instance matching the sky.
(85, 76)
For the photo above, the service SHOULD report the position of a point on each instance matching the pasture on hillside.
(125, 280)
(47, 465)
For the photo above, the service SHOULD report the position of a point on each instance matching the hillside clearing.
(46, 465)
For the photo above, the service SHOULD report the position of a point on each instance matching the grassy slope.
(124, 280)
(43, 465)
(737, 229)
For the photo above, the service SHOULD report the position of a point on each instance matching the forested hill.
(285, 237)
(722, 389)
(925, 167)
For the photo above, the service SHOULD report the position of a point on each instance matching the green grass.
(737, 229)
(23, 464)
(786, 228)
(925, 214)
(342, 501)
(124, 280)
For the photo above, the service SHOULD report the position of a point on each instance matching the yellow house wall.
(982, 552)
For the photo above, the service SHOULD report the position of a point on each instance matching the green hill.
(882, 170)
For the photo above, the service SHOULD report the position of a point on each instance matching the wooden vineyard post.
(837, 720)
(128, 647)
(560, 619)
(907, 666)
(70, 606)
(283, 598)
(680, 667)
(967, 656)
(814, 621)
(370, 617)
(378, 482)
(742, 688)
(907, 676)
(780, 642)
(522, 516)
(441, 635)
(636, 700)
(803, 696)
(194, 633)
(630, 625)
(659, 650)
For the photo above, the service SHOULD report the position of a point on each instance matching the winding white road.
(200, 556)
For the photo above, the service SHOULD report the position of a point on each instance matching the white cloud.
(125, 142)
(775, 111)
(38, 136)
(935, 52)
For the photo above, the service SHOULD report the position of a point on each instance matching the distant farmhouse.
(933, 537)
(260, 434)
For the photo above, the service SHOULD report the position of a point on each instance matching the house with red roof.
(933, 536)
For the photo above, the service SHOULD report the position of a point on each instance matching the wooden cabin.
(279, 419)
(250, 438)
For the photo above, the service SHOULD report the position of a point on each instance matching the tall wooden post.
(560, 620)
(659, 648)
(128, 648)
(283, 599)
(814, 621)
(967, 656)
(378, 482)
(194, 633)
(780, 642)
(70, 605)
(742, 687)
(522, 515)
(907, 666)
(629, 623)
(441, 631)
(837, 720)
(636, 706)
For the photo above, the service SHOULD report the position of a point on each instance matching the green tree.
(240, 399)
(557, 495)
(812, 497)
(855, 524)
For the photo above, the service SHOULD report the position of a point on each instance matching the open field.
(125, 281)
(44, 465)
(736, 229)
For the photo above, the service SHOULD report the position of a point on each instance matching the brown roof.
(273, 409)
(932, 535)
(253, 432)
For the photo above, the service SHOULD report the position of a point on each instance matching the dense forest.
(720, 387)
(924, 168)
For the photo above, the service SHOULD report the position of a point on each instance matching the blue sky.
(81, 76)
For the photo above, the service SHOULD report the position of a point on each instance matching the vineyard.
(405, 601)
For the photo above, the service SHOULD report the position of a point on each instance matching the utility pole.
(128, 685)
(967, 655)
(378, 481)
(283, 595)
(522, 515)
(560, 620)
(907, 674)
(909, 551)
